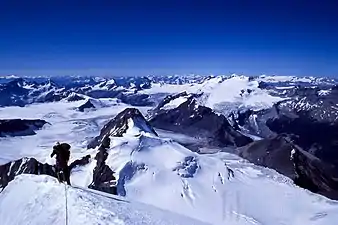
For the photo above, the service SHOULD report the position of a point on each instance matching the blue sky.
(166, 37)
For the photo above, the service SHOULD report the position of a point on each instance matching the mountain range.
(216, 149)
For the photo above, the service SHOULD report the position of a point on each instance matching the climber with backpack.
(62, 152)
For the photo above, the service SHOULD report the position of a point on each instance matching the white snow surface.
(175, 103)
(9, 77)
(105, 85)
(229, 91)
(278, 79)
(223, 94)
(43, 201)
(324, 92)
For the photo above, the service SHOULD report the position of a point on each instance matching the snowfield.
(44, 202)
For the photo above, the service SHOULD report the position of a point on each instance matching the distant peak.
(129, 122)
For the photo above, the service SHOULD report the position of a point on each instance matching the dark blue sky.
(165, 37)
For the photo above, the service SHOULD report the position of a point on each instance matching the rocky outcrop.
(120, 124)
(80, 162)
(135, 99)
(270, 152)
(19, 127)
(25, 165)
(103, 177)
(289, 159)
(319, 138)
(199, 121)
(314, 174)
(31, 166)
(87, 105)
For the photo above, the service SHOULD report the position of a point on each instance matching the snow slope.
(175, 103)
(43, 202)
(213, 188)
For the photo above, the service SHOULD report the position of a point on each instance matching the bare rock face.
(103, 177)
(270, 152)
(199, 121)
(19, 127)
(87, 105)
(31, 166)
(25, 165)
(80, 162)
(304, 168)
(314, 174)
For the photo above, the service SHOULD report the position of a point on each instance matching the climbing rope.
(66, 203)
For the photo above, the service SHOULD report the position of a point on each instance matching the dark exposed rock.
(314, 174)
(19, 127)
(271, 152)
(103, 93)
(25, 165)
(135, 99)
(103, 177)
(318, 138)
(307, 170)
(87, 105)
(119, 125)
(200, 121)
(187, 168)
(80, 162)
(52, 96)
(306, 131)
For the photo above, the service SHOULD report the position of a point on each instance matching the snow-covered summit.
(213, 188)
(128, 122)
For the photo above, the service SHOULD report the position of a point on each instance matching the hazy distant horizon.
(108, 75)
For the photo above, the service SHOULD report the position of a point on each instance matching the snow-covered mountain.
(171, 148)
(183, 114)
(211, 188)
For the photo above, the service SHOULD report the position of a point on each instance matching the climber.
(62, 152)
